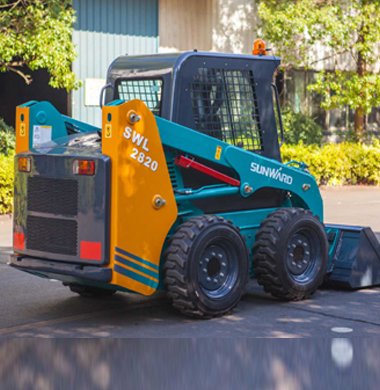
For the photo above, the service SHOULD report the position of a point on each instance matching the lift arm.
(254, 171)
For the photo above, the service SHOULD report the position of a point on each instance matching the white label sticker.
(41, 135)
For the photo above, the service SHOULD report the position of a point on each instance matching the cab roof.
(150, 65)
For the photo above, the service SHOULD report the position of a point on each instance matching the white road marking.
(342, 330)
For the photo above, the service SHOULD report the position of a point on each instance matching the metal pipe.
(208, 193)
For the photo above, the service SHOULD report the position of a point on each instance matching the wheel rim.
(303, 255)
(218, 268)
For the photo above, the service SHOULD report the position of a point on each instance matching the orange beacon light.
(259, 48)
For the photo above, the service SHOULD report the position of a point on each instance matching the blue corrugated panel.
(106, 29)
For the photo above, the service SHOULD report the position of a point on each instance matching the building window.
(373, 120)
(149, 91)
(299, 99)
(225, 106)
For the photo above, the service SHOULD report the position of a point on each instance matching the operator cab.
(225, 96)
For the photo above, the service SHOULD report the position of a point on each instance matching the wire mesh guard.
(225, 106)
(149, 91)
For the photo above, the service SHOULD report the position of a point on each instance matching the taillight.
(24, 164)
(84, 167)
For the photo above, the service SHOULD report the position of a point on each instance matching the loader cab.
(225, 96)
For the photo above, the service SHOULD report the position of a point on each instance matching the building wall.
(186, 25)
(234, 29)
(105, 30)
(225, 26)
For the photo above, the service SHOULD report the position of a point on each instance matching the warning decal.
(41, 134)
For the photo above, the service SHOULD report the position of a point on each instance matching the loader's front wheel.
(290, 254)
(206, 267)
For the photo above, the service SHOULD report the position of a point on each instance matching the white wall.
(186, 24)
(208, 25)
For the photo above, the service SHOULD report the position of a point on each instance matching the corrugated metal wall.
(106, 29)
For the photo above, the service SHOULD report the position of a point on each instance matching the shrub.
(7, 138)
(299, 127)
(6, 183)
(339, 164)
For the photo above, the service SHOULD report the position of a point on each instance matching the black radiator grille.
(51, 235)
(53, 196)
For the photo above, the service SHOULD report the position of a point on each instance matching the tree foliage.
(345, 31)
(37, 34)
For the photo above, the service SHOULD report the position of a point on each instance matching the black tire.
(290, 254)
(90, 291)
(206, 267)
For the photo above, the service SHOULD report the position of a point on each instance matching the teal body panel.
(45, 114)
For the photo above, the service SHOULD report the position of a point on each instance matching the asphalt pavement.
(35, 307)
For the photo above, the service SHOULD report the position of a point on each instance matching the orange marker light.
(84, 167)
(24, 164)
(259, 48)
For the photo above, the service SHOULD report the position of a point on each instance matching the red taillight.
(84, 167)
(24, 164)
(19, 241)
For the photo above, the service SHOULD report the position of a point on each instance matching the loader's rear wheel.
(290, 254)
(90, 292)
(206, 267)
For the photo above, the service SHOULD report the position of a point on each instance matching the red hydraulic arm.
(186, 163)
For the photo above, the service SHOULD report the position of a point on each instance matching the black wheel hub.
(213, 266)
(302, 255)
(218, 270)
(298, 256)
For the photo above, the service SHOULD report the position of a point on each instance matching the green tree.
(36, 34)
(346, 31)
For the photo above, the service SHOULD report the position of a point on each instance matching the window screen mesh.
(149, 91)
(225, 106)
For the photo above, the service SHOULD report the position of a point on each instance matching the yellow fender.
(143, 206)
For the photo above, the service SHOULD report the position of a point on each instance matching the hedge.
(339, 164)
(7, 138)
(6, 184)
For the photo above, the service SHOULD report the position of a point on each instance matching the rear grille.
(51, 235)
(53, 196)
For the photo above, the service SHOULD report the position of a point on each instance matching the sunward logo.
(273, 173)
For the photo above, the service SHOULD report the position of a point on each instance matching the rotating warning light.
(259, 48)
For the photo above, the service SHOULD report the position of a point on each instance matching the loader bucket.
(356, 258)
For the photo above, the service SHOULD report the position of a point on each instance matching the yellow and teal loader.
(182, 189)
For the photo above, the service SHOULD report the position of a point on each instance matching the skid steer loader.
(182, 189)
